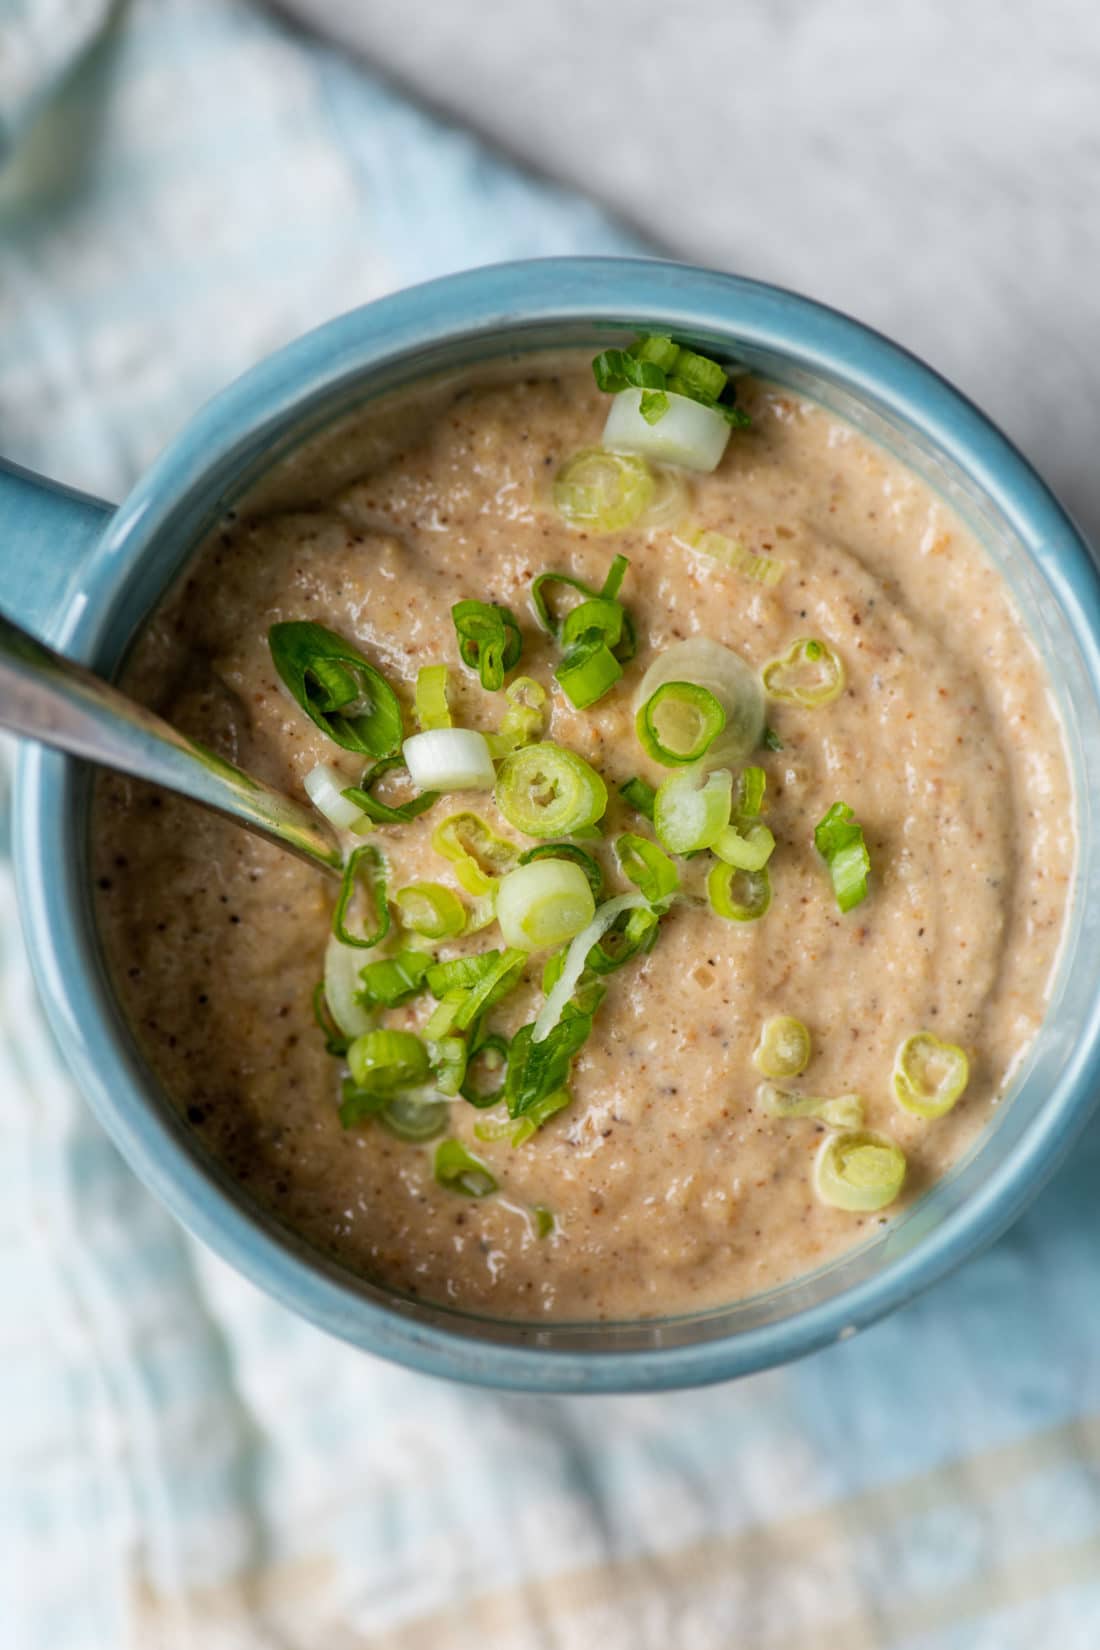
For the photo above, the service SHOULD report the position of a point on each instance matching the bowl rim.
(634, 293)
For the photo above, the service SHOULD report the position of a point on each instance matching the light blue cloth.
(184, 1465)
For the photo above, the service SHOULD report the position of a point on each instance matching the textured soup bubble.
(670, 1177)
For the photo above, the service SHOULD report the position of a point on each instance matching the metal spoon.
(45, 696)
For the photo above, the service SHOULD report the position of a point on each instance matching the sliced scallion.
(647, 866)
(336, 1041)
(391, 981)
(431, 909)
(365, 869)
(448, 1058)
(489, 640)
(430, 700)
(678, 724)
(522, 723)
(739, 896)
(838, 838)
(459, 1171)
(478, 855)
(784, 1047)
(543, 1220)
(414, 1118)
(568, 850)
(731, 553)
(640, 796)
(603, 492)
(543, 904)
(842, 1111)
(386, 813)
(684, 431)
(324, 786)
(690, 810)
(545, 790)
(381, 1062)
(337, 687)
(492, 1054)
(449, 759)
(342, 989)
(723, 673)
(929, 1076)
(859, 1171)
(575, 959)
(809, 674)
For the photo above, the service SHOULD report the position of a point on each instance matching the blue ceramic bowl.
(85, 577)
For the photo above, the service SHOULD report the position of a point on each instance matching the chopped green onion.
(381, 1062)
(449, 1060)
(544, 904)
(539, 1066)
(324, 787)
(365, 868)
(751, 786)
(739, 896)
(731, 553)
(356, 1105)
(483, 981)
(929, 1076)
(492, 1051)
(647, 867)
(640, 796)
(538, 1114)
(747, 846)
(809, 674)
(458, 1171)
(414, 1118)
(859, 1171)
(784, 1047)
(567, 850)
(845, 1111)
(698, 376)
(384, 813)
(685, 432)
(392, 981)
(335, 1040)
(602, 614)
(723, 673)
(839, 840)
(430, 702)
(615, 369)
(587, 671)
(522, 722)
(691, 812)
(337, 688)
(449, 759)
(656, 348)
(658, 383)
(771, 740)
(653, 405)
(442, 1018)
(543, 1219)
(342, 989)
(576, 957)
(679, 723)
(632, 933)
(600, 611)
(603, 492)
(478, 855)
(546, 791)
(430, 909)
(489, 640)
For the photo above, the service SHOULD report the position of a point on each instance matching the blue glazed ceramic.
(85, 576)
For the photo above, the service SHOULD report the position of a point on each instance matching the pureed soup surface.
(670, 1186)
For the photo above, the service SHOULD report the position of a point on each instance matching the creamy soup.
(674, 1178)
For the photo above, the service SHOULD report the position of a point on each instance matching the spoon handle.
(47, 697)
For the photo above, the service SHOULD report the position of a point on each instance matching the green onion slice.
(460, 1172)
(449, 759)
(844, 1111)
(771, 740)
(603, 492)
(725, 675)
(601, 611)
(647, 866)
(630, 935)
(522, 723)
(430, 909)
(553, 1008)
(491, 1052)
(539, 1067)
(384, 813)
(567, 850)
(343, 987)
(473, 985)
(809, 674)
(381, 1062)
(391, 981)
(838, 838)
(587, 671)
(430, 701)
(656, 364)
(543, 1219)
(784, 1047)
(639, 795)
(365, 869)
(324, 785)
(478, 855)
(678, 724)
(336, 1042)
(859, 1171)
(691, 811)
(543, 904)
(448, 1056)
(339, 690)
(545, 790)
(731, 553)
(413, 1117)
(929, 1076)
(739, 896)
(489, 640)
